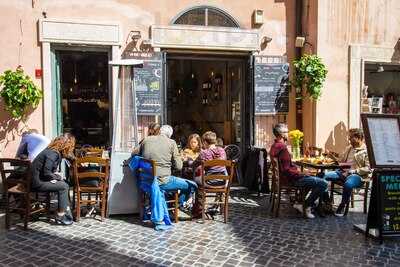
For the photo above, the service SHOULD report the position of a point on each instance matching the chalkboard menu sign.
(271, 85)
(148, 83)
(382, 137)
(389, 185)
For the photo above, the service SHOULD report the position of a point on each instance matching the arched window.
(206, 16)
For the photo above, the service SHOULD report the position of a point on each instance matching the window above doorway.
(205, 16)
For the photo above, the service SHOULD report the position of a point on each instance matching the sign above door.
(206, 38)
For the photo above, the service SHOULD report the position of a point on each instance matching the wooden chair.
(93, 181)
(278, 188)
(220, 191)
(16, 175)
(146, 172)
(364, 194)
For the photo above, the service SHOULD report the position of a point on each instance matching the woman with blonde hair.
(190, 154)
(46, 179)
(193, 147)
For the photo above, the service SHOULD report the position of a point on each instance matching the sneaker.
(309, 214)
(340, 211)
(298, 207)
(64, 220)
(69, 215)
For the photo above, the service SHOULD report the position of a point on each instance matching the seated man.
(356, 157)
(32, 143)
(164, 152)
(291, 174)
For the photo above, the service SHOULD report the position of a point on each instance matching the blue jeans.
(351, 181)
(317, 185)
(186, 187)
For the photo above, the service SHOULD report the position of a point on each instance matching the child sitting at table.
(210, 151)
(193, 147)
(190, 154)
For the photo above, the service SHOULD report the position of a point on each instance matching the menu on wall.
(389, 183)
(271, 85)
(385, 140)
(148, 83)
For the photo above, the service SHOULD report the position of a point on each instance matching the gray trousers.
(60, 187)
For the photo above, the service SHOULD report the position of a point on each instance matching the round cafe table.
(320, 168)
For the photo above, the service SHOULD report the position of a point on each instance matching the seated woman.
(45, 178)
(210, 151)
(153, 129)
(190, 154)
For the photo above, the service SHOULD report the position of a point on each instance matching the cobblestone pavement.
(251, 238)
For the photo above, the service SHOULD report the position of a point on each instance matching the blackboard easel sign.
(382, 136)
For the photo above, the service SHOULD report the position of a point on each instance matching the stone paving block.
(251, 238)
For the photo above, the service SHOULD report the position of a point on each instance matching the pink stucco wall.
(18, 24)
(341, 23)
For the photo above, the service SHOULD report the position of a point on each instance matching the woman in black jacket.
(45, 178)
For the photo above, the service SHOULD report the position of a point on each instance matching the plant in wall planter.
(18, 92)
(310, 74)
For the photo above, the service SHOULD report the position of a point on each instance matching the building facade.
(221, 64)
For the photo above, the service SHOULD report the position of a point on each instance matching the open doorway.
(381, 92)
(84, 94)
(205, 93)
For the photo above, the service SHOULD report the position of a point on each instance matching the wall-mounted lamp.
(258, 17)
(266, 40)
(301, 41)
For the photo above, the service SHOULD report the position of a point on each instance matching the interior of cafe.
(85, 96)
(382, 88)
(205, 93)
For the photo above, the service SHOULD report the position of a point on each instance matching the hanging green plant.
(18, 92)
(310, 74)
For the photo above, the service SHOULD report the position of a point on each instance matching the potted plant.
(310, 74)
(18, 92)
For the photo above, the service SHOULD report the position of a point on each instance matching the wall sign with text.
(271, 85)
(148, 83)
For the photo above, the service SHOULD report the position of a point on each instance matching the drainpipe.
(298, 54)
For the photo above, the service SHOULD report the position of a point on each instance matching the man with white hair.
(164, 152)
(166, 130)
(32, 143)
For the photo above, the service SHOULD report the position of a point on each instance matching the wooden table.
(319, 167)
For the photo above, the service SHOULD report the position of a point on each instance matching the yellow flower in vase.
(296, 137)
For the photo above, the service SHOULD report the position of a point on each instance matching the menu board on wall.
(148, 83)
(271, 85)
(382, 135)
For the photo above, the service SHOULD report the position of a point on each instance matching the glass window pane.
(217, 18)
(193, 17)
